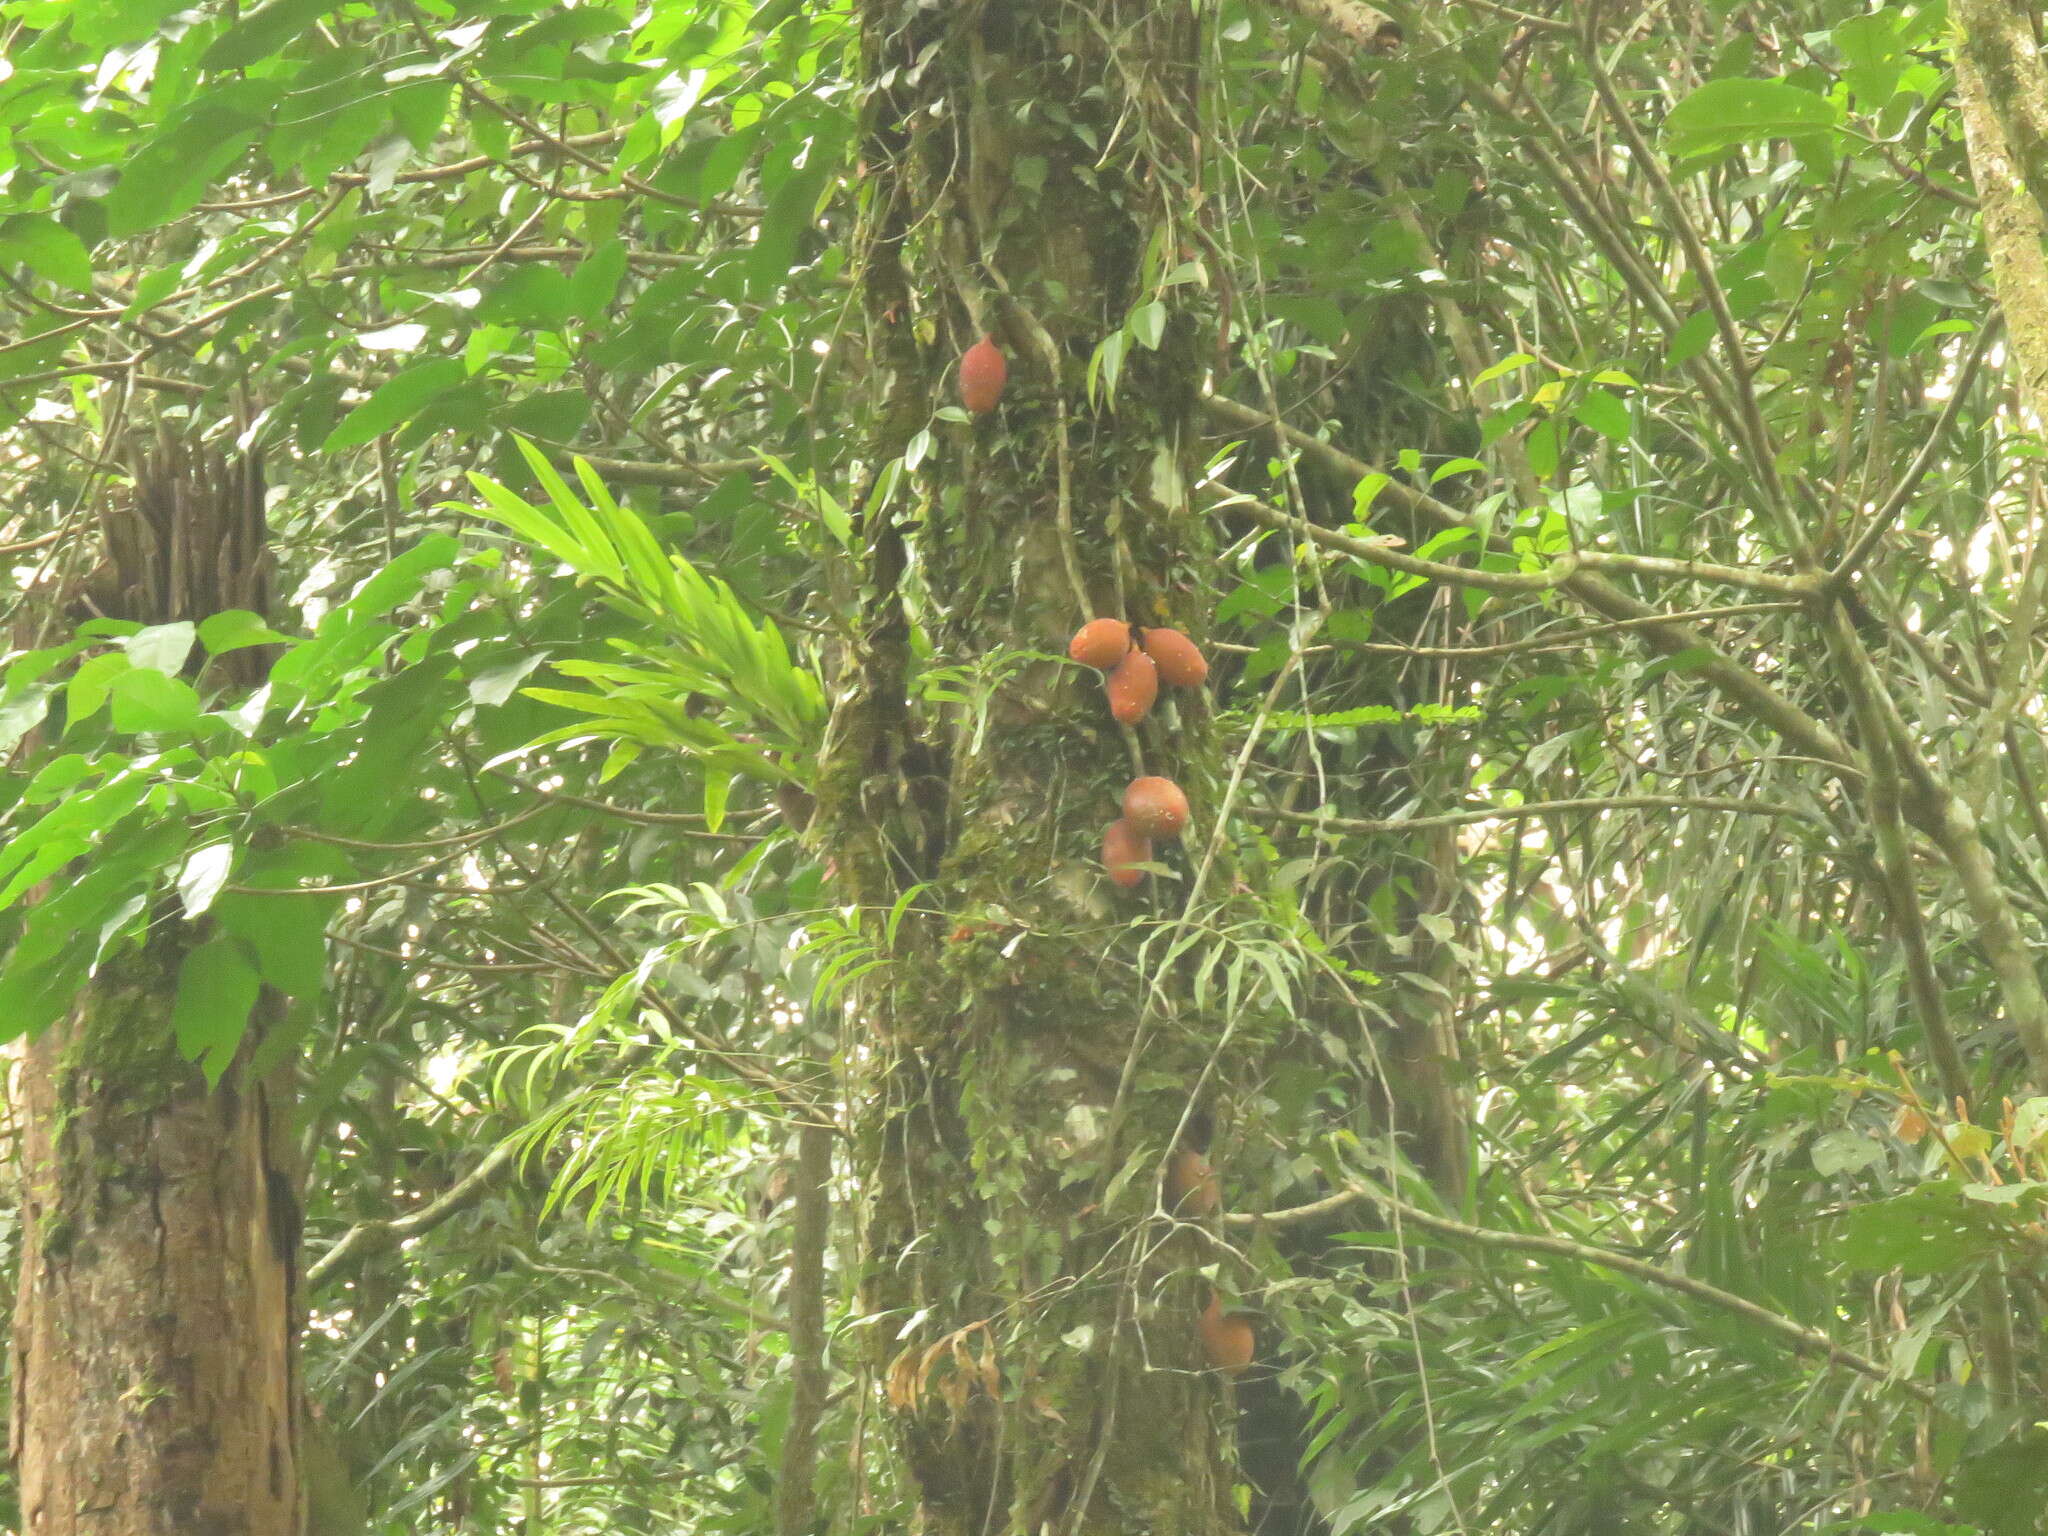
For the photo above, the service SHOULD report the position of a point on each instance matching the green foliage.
(716, 654)
(1674, 1020)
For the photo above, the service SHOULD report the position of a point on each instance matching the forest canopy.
(1026, 766)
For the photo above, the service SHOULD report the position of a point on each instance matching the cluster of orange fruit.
(1134, 663)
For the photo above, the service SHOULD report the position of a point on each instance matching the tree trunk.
(153, 1349)
(796, 1504)
(1031, 171)
(155, 1323)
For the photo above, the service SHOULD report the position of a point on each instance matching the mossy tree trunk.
(155, 1323)
(1031, 171)
(154, 1387)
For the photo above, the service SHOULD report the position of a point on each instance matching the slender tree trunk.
(2009, 79)
(795, 1497)
(155, 1324)
(2003, 92)
(2014, 223)
(1032, 171)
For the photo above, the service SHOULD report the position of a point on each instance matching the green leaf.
(56, 776)
(1724, 113)
(551, 413)
(2030, 1124)
(22, 713)
(717, 788)
(234, 629)
(1844, 1151)
(48, 249)
(497, 684)
(1931, 1230)
(353, 631)
(286, 933)
(1693, 336)
(1502, 368)
(149, 701)
(1967, 1141)
(90, 684)
(1605, 414)
(537, 297)
(151, 289)
(217, 988)
(115, 925)
(172, 171)
(395, 401)
(262, 32)
(161, 647)
(596, 280)
(2029, 1191)
(205, 872)
(33, 998)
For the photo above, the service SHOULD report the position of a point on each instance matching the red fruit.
(1124, 847)
(1100, 643)
(1155, 806)
(1192, 1188)
(1226, 1341)
(1180, 664)
(982, 372)
(1133, 688)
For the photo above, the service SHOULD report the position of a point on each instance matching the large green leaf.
(148, 701)
(1929, 1230)
(396, 400)
(1724, 113)
(48, 249)
(217, 988)
(171, 172)
(262, 32)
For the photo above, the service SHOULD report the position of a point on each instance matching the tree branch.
(1665, 635)
(1351, 23)
(1802, 1339)
(1545, 808)
(368, 1237)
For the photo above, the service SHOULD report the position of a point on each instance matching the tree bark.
(1997, 48)
(795, 1495)
(1031, 174)
(155, 1323)
(154, 1390)
(2013, 221)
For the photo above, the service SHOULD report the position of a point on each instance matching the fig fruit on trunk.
(1156, 806)
(982, 374)
(1192, 1188)
(1100, 643)
(1180, 664)
(1226, 1340)
(1133, 687)
(1124, 847)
